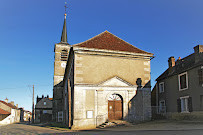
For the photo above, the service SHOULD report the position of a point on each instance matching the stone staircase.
(115, 123)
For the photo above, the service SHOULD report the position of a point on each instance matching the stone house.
(12, 112)
(43, 109)
(27, 115)
(102, 79)
(179, 90)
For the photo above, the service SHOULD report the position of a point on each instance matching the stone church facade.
(101, 79)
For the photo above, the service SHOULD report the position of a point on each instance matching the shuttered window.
(64, 55)
(184, 104)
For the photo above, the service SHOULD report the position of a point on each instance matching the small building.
(43, 109)
(27, 115)
(179, 90)
(10, 113)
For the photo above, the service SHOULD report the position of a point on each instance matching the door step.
(115, 123)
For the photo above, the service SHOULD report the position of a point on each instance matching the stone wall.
(195, 116)
(140, 106)
(59, 65)
(95, 99)
(95, 68)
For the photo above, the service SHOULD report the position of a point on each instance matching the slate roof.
(8, 104)
(4, 112)
(108, 41)
(181, 66)
(64, 32)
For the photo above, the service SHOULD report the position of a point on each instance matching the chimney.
(12, 102)
(17, 105)
(42, 96)
(171, 61)
(198, 52)
(47, 96)
(198, 49)
(6, 100)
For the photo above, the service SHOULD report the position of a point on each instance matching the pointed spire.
(64, 32)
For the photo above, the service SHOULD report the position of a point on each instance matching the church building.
(102, 79)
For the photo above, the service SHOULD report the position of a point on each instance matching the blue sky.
(30, 28)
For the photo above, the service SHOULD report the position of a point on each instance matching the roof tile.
(8, 104)
(4, 112)
(108, 41)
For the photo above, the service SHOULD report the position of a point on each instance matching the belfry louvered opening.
(64, 55)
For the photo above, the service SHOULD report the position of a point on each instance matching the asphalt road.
(150, 128)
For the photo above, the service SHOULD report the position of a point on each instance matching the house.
(9, 113)
(25, 115)
(101, 79)
(179, 90)
(43, 110)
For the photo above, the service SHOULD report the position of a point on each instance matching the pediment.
(115, 81)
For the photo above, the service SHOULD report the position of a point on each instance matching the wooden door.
(111, 110)
(118, 110)
(115, 108)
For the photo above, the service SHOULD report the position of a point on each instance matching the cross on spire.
(65, 9)
(64, 31)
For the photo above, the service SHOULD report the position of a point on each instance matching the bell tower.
(61, 54)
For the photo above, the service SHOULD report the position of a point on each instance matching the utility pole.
(33, 104)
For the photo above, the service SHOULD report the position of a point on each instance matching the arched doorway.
(115, 107)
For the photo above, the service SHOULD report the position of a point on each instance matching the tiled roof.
(181, 65)
(108, 41)
(4, 112)
(8, 104)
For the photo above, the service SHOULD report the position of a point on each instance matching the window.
(45, 103)
(161, 87)
(183, 81)
(89, 114)
(184, 104)
(200, 73)
(64, 55)
(162, 106)
(60, 116)
(44, 111)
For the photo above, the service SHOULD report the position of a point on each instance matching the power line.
(12, 88)
(24, 87)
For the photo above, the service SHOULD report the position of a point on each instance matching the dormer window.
(45, 103)
(64, 55)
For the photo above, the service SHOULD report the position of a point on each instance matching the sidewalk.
(162, 125)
